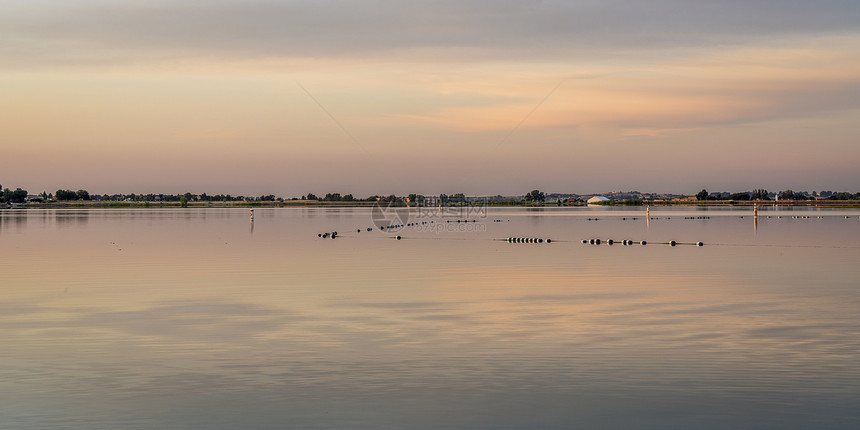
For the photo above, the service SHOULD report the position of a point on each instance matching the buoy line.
(527, 240)
(627, 242)
(611, 242)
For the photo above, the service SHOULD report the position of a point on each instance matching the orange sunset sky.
(378, 97)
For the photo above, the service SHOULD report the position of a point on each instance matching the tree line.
(762, 194)
(533, 197)
(10, 196)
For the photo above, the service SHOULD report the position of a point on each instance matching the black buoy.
(584, 241)
(549, 241)
(597, 241)
(699, 243)
(397, 237)
(643, 243)
(671, 243)
(610, 241)
(358, 231)
(319, 234)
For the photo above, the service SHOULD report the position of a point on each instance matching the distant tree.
(702, 195)
(793, 195)
(535, 196)
(311, 196)
(332, 197)
(17, 196)
(183, 202)
(83, 195)
(759, 194)
(742, 196)
(66, 195)
(844, 196)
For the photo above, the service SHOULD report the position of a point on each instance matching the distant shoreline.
(89, 204)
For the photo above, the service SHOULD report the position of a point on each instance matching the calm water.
(197, 319)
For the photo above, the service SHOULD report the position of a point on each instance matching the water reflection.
(195, 323)
(78, 218)
(13, 219)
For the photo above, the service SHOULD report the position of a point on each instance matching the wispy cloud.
(49, 31)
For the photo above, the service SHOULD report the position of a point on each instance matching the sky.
(396, 97)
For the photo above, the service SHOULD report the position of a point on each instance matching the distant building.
(597, 199)
(35, 198)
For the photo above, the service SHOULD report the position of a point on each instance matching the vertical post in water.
(755, 218)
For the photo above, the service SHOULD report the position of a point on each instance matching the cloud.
(727, 86)
(98, 31)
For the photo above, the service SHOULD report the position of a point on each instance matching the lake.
(203, 319)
